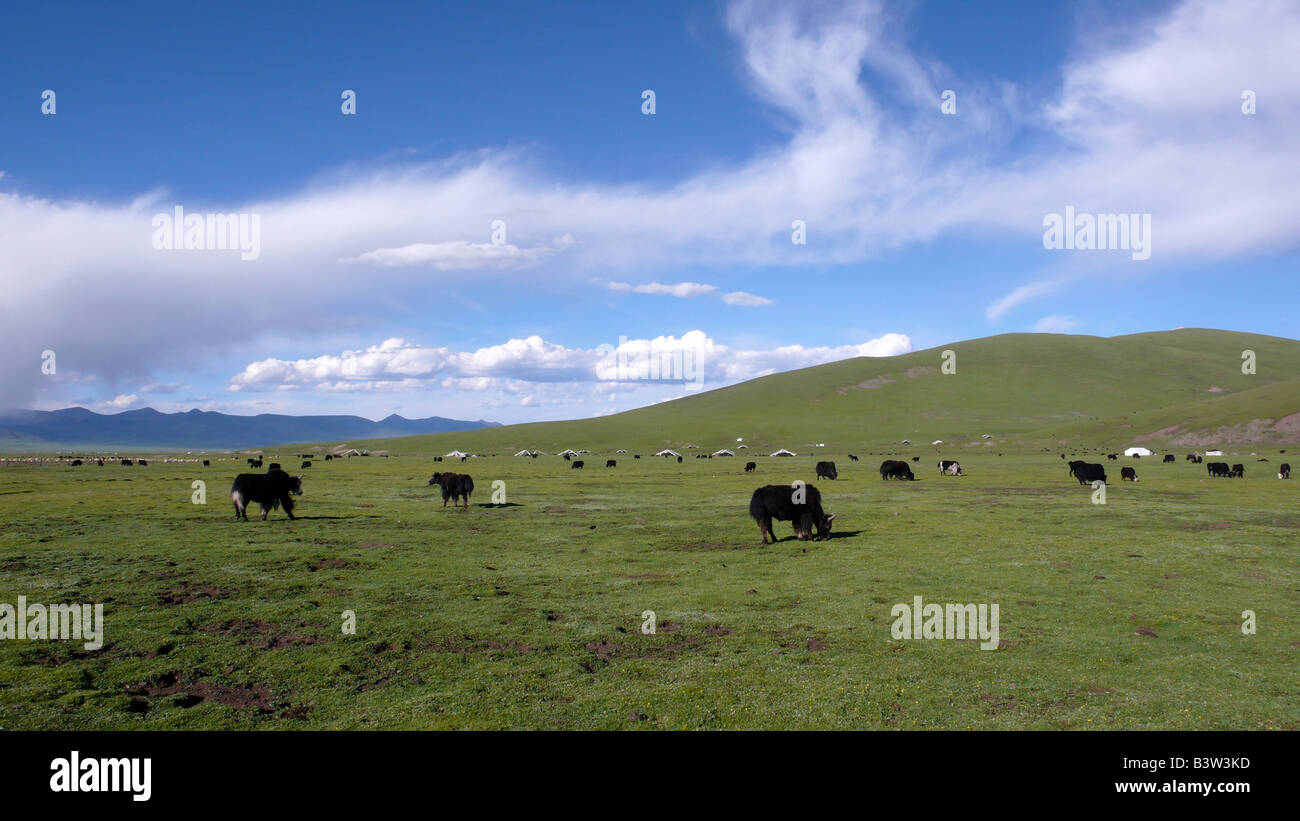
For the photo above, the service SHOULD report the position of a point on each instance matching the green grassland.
(1023, 389)
(1123, 615)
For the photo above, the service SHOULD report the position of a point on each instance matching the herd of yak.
(800, 503)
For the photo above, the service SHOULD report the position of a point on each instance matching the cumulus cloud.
(121, 402)
(518, 365)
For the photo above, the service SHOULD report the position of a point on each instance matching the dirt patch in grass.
(466, 643)
(187, 692)
(331, 564)
(865, 385)
(642, 647)
(1205, 526)
(258, 634)
(190, 593)
(55, 655)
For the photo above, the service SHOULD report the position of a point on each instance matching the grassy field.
(1117, 616)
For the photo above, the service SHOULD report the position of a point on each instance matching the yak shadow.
(503, 504)
(836, 534)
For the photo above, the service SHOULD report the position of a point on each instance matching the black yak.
(270, 490)
(896, 469)
(454, 486)
(799, 504)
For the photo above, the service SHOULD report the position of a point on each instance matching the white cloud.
(521, 365)
(1152, 125)
(1056, 324)
(688, 290)
(742, 298)
(681, 290)
(459, 255)
(121, 402)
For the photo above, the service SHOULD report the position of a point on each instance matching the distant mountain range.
(196, 429)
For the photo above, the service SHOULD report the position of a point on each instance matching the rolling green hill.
(1183, 388)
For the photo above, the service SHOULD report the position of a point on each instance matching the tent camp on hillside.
(783, 452)
(1139, 452)
(526, 452)
(455, 454)
(723, 452)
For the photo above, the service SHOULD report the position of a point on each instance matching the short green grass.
(1118, 616)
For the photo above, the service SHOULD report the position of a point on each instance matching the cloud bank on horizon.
(1146, 119)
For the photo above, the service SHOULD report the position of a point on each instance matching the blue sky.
(378, 285)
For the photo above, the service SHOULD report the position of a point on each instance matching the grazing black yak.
(778, 502)
(454, 486)
(896, 469)
(270, 490)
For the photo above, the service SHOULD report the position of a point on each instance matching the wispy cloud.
(459, 255)
(681, 290)
(688, 290)
(1056, 324)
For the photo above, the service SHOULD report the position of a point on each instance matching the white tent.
(907, 441)
(620, 450)
(524, 452)
(723, 452)
(667, 452)
(937, 442)
(569, 452)
(783, 452)
(1139, 452)
(985, 436)
(742, 447)
(455, 454)
(1214, 453)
